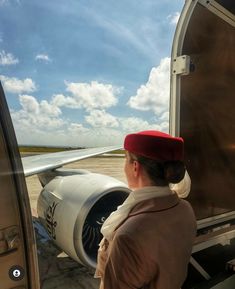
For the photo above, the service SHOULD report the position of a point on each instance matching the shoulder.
(154, 213)
(187, 208)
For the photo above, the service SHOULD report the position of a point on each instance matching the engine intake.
(73, 208)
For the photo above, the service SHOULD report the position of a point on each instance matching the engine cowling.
(73, 208)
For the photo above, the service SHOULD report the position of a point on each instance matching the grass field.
(45, 149)
(42, 149)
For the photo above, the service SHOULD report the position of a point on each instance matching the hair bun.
(174, 171)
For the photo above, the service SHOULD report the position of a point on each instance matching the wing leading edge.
(39, 163)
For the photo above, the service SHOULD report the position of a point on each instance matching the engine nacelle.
(73, 208)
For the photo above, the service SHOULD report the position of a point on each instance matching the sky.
(85, 73)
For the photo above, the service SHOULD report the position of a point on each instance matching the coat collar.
(155, 204)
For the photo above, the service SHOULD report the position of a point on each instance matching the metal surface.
(219, 10)
(199, 268)
(18, 258)
(222, 236)
(204, 102)
(229, 283)
(181, 65)
(40, 163)
(73, 208)
(175, 84)
(216, 220)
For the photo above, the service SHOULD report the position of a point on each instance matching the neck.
(141, 182)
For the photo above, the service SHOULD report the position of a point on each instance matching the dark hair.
(161, 173)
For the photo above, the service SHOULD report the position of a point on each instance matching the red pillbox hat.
(155, 145)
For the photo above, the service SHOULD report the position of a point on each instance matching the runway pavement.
(57, 270)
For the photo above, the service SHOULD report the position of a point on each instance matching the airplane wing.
(41, 163)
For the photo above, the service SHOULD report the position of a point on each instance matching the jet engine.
(73, 206)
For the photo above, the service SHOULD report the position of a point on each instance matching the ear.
(136, 168)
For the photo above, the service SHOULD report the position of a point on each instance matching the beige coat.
(151, 248)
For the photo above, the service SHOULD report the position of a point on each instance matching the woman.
(148, 241)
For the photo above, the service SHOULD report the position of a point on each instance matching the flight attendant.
(148, 240)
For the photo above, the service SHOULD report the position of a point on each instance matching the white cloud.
(75, 128)
(49, 109)
(7, 58)
(92, 95)
(36, 115)
(95, 137)
(154, 95)
(100, 118)
(29, 104)
(15, 85)
(174, 18)
(30, 131)
(66, 101)
(43, 57)
(42, 122)
(164, 127)
(134, 124)
(164, 116)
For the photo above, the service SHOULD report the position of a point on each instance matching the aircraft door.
(203, 103)
(18, 259)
